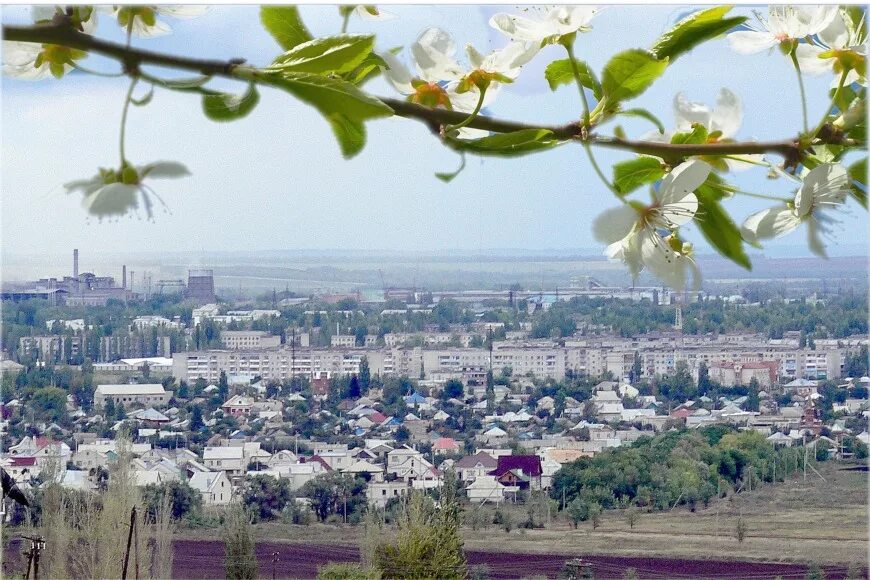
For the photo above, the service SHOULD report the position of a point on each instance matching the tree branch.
(61, 33)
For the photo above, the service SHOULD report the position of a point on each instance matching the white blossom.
(113, 193)
(142, 21)
(820, 57)
(556, 23)
(643, 235)
(783, 24)
(822, 188)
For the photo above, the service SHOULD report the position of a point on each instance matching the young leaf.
(369, 68)
(696, 136)
(559, 72)
(858, 174)
(448, 177)
(510, 144)
(716, 225)
(343, 105)
(229, 107)
(285, 25)
(145, 98)
(630, 73)
(644, 114)
(695, 29)
(338, 54)
(631, 174)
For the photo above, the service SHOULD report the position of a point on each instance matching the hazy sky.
(276, 179)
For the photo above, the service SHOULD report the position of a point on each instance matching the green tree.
(428, 543)
(182, 498)
(49, 404)
(752, 401)
(365, 374)
(453, 389)
(196, 422)
(223, 387)
(265, 496)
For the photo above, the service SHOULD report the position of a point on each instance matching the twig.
(60, 33)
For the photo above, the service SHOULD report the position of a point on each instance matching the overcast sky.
(276, 179)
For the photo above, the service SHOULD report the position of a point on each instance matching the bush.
(740, 529)
(343, 571)
(504, 519)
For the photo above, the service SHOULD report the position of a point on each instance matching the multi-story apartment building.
(55, 347)
(248, 339)
(278, 364)
(542, 359)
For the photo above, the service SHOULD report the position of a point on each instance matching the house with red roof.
(445, 445)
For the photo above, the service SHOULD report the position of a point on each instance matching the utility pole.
(129, 543)
(37, 544)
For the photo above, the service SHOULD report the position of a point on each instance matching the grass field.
(820, 521)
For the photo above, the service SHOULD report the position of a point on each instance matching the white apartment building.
(543, 359)
(247, 339)
(343, 340)
(278, 364)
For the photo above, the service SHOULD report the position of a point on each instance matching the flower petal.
(662, 261)
(682, 182)
(687, 112)
(372, 13)
(769, 223)
(113, 199)
(182, 11)
(814, 239)
(433, 52)
(142, 30)
(835, 34)
(170, 169)
(809, 61)
(826, 184)
(520, 28)
(751, 41)
(614, 224)
(397, 74)
(728, 114)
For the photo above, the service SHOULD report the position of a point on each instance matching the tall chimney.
(76, 263)
(124, 276)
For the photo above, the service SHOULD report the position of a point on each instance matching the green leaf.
(631, 174)
(448, 177)
(696, 136)
(285, 25)
(333, 54)
(369, 68)
(511, 144)
(351, 134)
(630, 73)
(715, 223)
(145, 99)
(559, 72)
(343, 105)
(694, 30)
(229, 107)
(643, 113)
(858, 173)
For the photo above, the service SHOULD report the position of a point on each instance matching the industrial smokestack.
(76, 263)
(124, 276)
